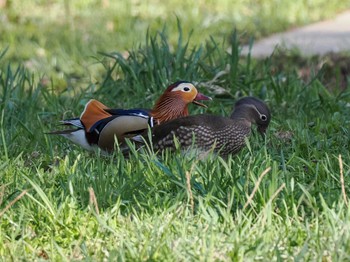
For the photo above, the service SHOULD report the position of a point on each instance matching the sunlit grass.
(61, 39)
(59, 202)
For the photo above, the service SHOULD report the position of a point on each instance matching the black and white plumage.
(101, 127)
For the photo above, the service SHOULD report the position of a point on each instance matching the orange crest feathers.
(93, 112)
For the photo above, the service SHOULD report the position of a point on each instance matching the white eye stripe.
(262, 117)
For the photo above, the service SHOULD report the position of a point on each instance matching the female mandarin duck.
(205, 132)
(98, 125)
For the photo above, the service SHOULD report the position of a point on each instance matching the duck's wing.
(121, 126)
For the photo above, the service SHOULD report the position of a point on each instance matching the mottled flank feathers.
(224, 135)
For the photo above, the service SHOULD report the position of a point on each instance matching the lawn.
(281, 198)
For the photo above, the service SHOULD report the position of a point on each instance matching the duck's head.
(173, 103)
(254, 110)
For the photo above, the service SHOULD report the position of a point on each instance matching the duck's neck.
(245, 112)
(168, 108)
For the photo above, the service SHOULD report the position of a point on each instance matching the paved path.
(318, 38)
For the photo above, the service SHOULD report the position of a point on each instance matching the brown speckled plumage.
(225, 135)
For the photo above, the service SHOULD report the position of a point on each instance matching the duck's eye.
(263, 117)
(186, 89)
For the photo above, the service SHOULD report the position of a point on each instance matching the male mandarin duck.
(98, 125)
(225, 135)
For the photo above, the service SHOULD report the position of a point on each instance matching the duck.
(100, 126)
(224, 135)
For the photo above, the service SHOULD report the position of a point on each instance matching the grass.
(61, 39)
(59, 202)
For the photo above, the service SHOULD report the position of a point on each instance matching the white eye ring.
(263, 117)
(186, 89)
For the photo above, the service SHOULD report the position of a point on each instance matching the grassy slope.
(145, 208)
(61, 39)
